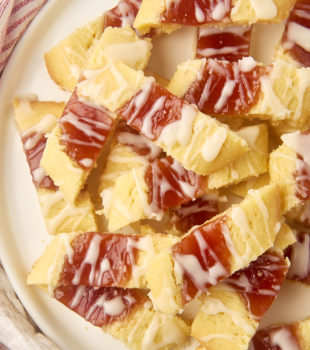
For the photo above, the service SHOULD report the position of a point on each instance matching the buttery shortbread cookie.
(243, 188)
(228, 242)
(230, 312)
(126, 314)
(290, 168)
(295, 336)
(169, 15)
(147, 192)
(85, 127)
(278, 93)
(34, 119)
(113, 260)
(66, 60)
(197, 141)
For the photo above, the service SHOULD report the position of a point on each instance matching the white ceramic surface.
(22, 232)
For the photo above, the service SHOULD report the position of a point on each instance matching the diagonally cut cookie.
(147, 192)
(228, 43)
(169, 15)
(66, 60)
(98, 260)
(85, 127)
(242, 189)
(230, 313)
(289, 167)
(278, 93)
(295, 336)
(127, 315)
(34, 119)
(230, 241)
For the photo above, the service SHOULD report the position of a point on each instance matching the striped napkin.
(17, 331)
(15, 15)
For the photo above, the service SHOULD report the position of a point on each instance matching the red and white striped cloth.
(15, 15)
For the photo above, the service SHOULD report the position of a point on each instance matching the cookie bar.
(127, 315)
(34, 119)
(129, 150)
(98, 260)
(85, 127)
(299, 255)
(294, 336)
(289, 167)
(230, 241)
(251, 164)
(228, 43)
(66, 60)
(230, 313)
(145, 193)
(279, 92)
(294, 46)
(169, 15)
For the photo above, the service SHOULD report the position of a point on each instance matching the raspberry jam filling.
(226, 87)
(297, 30)
(195, 212)
(123, 14)
(128, 136)
(196, 12)
(171, 185)
(231, 43)
(85, 129)
(101, 306)
(203, 257)
(260, 282)
(34, 145)
(151, 110)
(100, 260)
(275, 338)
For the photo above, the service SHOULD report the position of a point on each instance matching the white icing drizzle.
(44, 126)
(300, 259)
(147, 126)
(249, 134)
(283, 338)
(264, 9)
(220, 10)
(299, 35)
(300, 143)
(199, 14)
(226, 92)
(181, 130)
(213, 144)
(127, 12)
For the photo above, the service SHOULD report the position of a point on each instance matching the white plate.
(22, 231)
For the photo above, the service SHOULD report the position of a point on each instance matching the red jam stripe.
(171, 185)
(297, 32)
(151, 109)
(229, 43)
(34, 145)
(260, 282)
(128, 136)
(275, 338)
(226, 87)
(195, 212)
(100, 260)
(101, 306)
(203, 257)
(299, 255)
(123, 14)
(196, 12)
(85, 128)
